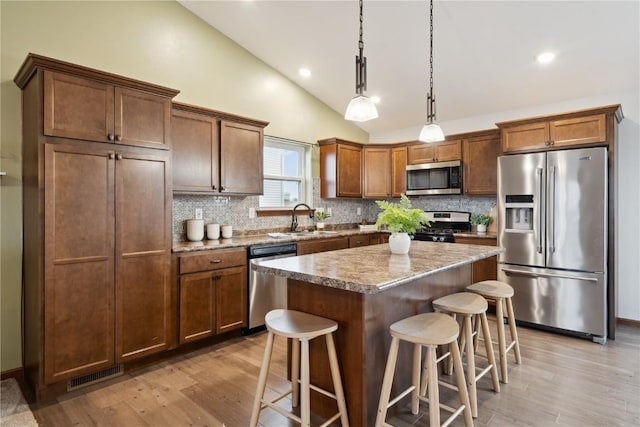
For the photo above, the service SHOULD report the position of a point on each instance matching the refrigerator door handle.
(552, 209)
(539, 172)
(559, 276)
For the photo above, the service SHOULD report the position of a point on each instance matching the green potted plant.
(401, 219)
(481, 221)
(320, 216)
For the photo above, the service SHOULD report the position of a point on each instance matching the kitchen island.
(366, 290)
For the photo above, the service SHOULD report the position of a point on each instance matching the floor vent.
(96, 377)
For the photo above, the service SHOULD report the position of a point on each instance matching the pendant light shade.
(431, 132)
(361, 108)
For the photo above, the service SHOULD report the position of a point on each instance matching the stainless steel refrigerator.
(552, 210)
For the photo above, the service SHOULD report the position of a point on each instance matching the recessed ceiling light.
(304, 72)
(375, 99)
(546, 57)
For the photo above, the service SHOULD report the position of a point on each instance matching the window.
(287, 171)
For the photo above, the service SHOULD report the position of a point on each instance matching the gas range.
(443, 226)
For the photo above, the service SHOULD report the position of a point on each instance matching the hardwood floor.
(562, 381)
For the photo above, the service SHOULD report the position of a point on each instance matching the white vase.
(399, 243)
(319, 225)
(481, 228)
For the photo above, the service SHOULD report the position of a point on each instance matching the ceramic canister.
(213, 231)
(195, 229)
(227, 231)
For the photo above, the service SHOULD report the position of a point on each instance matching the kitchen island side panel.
(363, 337)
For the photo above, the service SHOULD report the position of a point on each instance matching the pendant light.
(431, 132)
(361, 108)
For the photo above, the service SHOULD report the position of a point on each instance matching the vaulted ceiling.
(484, 51)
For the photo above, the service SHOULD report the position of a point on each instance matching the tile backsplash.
(235, 211)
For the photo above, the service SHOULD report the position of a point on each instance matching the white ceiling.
(484, 51)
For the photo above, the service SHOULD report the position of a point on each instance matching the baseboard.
(628, 322)
(17, 373)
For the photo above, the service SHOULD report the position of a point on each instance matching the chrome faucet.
(294, 218)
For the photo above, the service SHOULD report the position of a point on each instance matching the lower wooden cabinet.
(213, 293)
(323, 245)
(486, 269)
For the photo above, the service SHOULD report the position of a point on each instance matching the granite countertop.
(474, 235)
(371, 269)
(261, 239)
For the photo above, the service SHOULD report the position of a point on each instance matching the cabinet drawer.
(212, 260)
(357, 241)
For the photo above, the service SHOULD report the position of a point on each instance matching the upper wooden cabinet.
(480, 151)
(340, 168)
(85, 104)
(215, 152)
(420, 152)
(398, 170)
(377, 171)
(579, 128)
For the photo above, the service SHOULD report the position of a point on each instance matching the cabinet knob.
(118, 138)
(118, 156)
(111, 137)
(214, 187)
(215, 261)
(112, 156)
(222, 188)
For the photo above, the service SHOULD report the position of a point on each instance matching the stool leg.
(262, 381)
(462, 386)
(387, 382)
(467, 331)
(476, 331)
(295, 373)
(305, 410)
(415, 378)
(512, 329)
(434, 393)
(337, 382)
(502, 346)
(489, 348)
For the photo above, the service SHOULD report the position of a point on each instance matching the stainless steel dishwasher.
(266, 291)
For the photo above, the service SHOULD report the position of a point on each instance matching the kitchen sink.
(300, 233)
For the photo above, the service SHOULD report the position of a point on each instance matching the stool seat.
(426, 329)
(492, 289)
(296, 324)
(462, 303)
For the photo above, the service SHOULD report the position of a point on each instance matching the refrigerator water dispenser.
(519, 213)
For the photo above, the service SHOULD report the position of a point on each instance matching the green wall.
(160, 42)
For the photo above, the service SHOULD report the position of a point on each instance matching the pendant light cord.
(361, 61)
(431, 99)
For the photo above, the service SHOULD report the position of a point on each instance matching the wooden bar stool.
(302, 328)
(501, 293)
(468, 304)
(425, 330)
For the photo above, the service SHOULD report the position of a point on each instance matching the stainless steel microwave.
(434, 178)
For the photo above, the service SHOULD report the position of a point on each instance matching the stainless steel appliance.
(266, 291)
(434, 178)
(552, 222)
(443, 226)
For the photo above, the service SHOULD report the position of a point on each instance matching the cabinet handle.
(112, 156)
(222, 188)
(118, 156)
(118, 138)
(215, 261)
(111, 137)
(217, 277)
(214, 187)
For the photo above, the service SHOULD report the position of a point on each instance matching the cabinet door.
(581, 130)
(532, 136)
(77, 108)
(78, 261)
(349, 171)
(377, 174)
(241, 158)
(481, 165)
(231, 299)
(421, 153)
(142, 119)
(359, 240)
(398, 171)
(324, 245)
(195, 141)
(143, 249)
(448, 150)
(197, 306)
